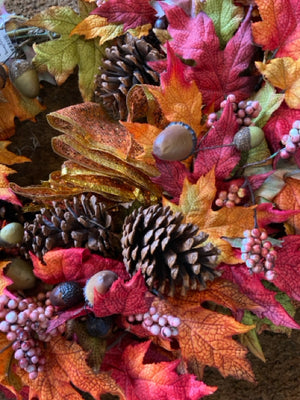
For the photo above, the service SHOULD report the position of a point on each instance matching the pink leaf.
(131, 13)
(126, 298)
(252, 286)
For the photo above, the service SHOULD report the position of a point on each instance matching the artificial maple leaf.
(280, 124)
(131, 13)
(196, 204)
(284, 73)
(66, 369)
(15, 106)
(217, 73)
(6, 192)
(9, 158)
(61, 56)
(289, 199)
(7, 377)
(205, 336)
(126, 298)
(222, 159)
(252, 286)
(279, 29)
(226, 18)
(287, 276)
(179, 98)
(95, 26)
(4, 280)
(75, 264)
(156, 380)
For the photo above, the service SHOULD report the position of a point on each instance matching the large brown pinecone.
(84, 222)
(124, 66)
(167, 251)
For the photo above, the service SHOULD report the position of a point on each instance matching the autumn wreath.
(168, 240)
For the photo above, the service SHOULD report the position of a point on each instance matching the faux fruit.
(66, 295)
(20, 272)
(11, 234)
(101, 282)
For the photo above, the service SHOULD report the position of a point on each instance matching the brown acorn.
(101, 281)
(248, 137)
(66, 295)
(175, 143)
(25, 78)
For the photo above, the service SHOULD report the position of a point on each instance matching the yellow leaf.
(284, 73)
(179, 101)
(9, 158)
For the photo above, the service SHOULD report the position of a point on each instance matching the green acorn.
(21, 273)
(11, 234)
(25, 78)
(248, 137)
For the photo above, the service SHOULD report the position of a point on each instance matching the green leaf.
(269, 101)
(61, 56)
(250, 338)
(226, 17)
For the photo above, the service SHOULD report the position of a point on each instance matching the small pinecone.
(167, 251)
(84, 223)
(125, 65)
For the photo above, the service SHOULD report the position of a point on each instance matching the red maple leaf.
(287, 268)
(172, 175)
(217, 73)
(224, 159)
(131, 13)
(279, 28)
(126, 298)
(75, 264)
(279, 125)
(157, 380)
(252, 286)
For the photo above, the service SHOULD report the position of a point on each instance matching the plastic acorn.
(175, 143)
(248, 137)
(101, 282)
(11, 234)
(25, 78)
(21, 273)
(66, 295)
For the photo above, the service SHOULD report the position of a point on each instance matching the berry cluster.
(245, 111)
(25, 322)
(258, 252)
(291, 141)
(157, 324)
(231, 198)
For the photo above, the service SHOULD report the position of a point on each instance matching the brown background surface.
(279, 377)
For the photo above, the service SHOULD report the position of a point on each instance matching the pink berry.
(166, 331)
(296, 124)
(11, 317)
(33, 375)
(4, 326)
(162, 321)
(175, 322)
(270, 275)
(19, 354)
(155, 329)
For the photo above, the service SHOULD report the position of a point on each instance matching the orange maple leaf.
(7, 377)
(205, 336)
(289, 199)
(179, 99)
(195, 203)
(65, 369)
(15, 105)
(5, 192)
(284, 73)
